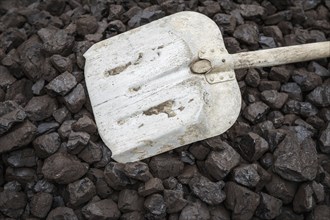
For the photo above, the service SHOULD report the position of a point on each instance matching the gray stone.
(281, 189)
(91, 153)
(85, 124)
(12, 203)
(40, 107)
(219, 213)
(196, 210)
(47, 144)
(47, 127)
(252, 146)
(209, 192)
(199, 151)
(20, 92)
(242, 207)
(325, 140)
(56, 41)
(252, 11)
(63, 168)
(86, 24)
(280, 73)
(75, 100)
(288, 214)
(129, 200)
(21, 158)
(31, 58)
(10, 114)
(174, 201)
(304, 200)
(320, 96)
(256, 112)
(246, 175)
(274, 99)
(80, 191)
(41, 204)
(252, 78)
(227, 22)
(307, 80)
(220, 163)
(65, 129)
(154, 185)
(102, 210)
(293, 90)
(137, 170)
(115, 176)
(62, 84)
(320, 212)
(23, 175)
(269, 207)
(61, 63)
(62, 213)
(61, 114)
(296, 161)
(77, 141)
(165, 165)
(247, 33)
(155, 204)
(305, 109)
(6, 79)
(21, 135)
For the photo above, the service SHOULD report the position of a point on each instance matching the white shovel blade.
(145, 98)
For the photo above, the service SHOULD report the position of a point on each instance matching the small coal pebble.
(165, 165)
(269, 207)
(12, 203)
(62, 213)
(41, 204)
(302, 165)
(47, 144)
(10, 114)
(138, 171)
(195, 209)
(247, 33)
(220, 163)
(80, 191)
(242, 207)
(63, 168)
(252, 146)
(103, 209)
(281, 189)
(75, 100)
(129, 200)
(174, 200)
(62, 84)
(209, 192)
(21, 158)
(86, 124)
(256, 112)
(18, 137)
(40, 107)
(154, 185)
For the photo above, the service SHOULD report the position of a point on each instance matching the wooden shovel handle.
(281, 55)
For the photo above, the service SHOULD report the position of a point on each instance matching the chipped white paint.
(145, 98)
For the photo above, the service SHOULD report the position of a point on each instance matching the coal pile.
(274, 163)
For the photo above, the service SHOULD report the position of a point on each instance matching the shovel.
(171, 83)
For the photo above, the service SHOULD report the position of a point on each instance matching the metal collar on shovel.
(170, 83)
